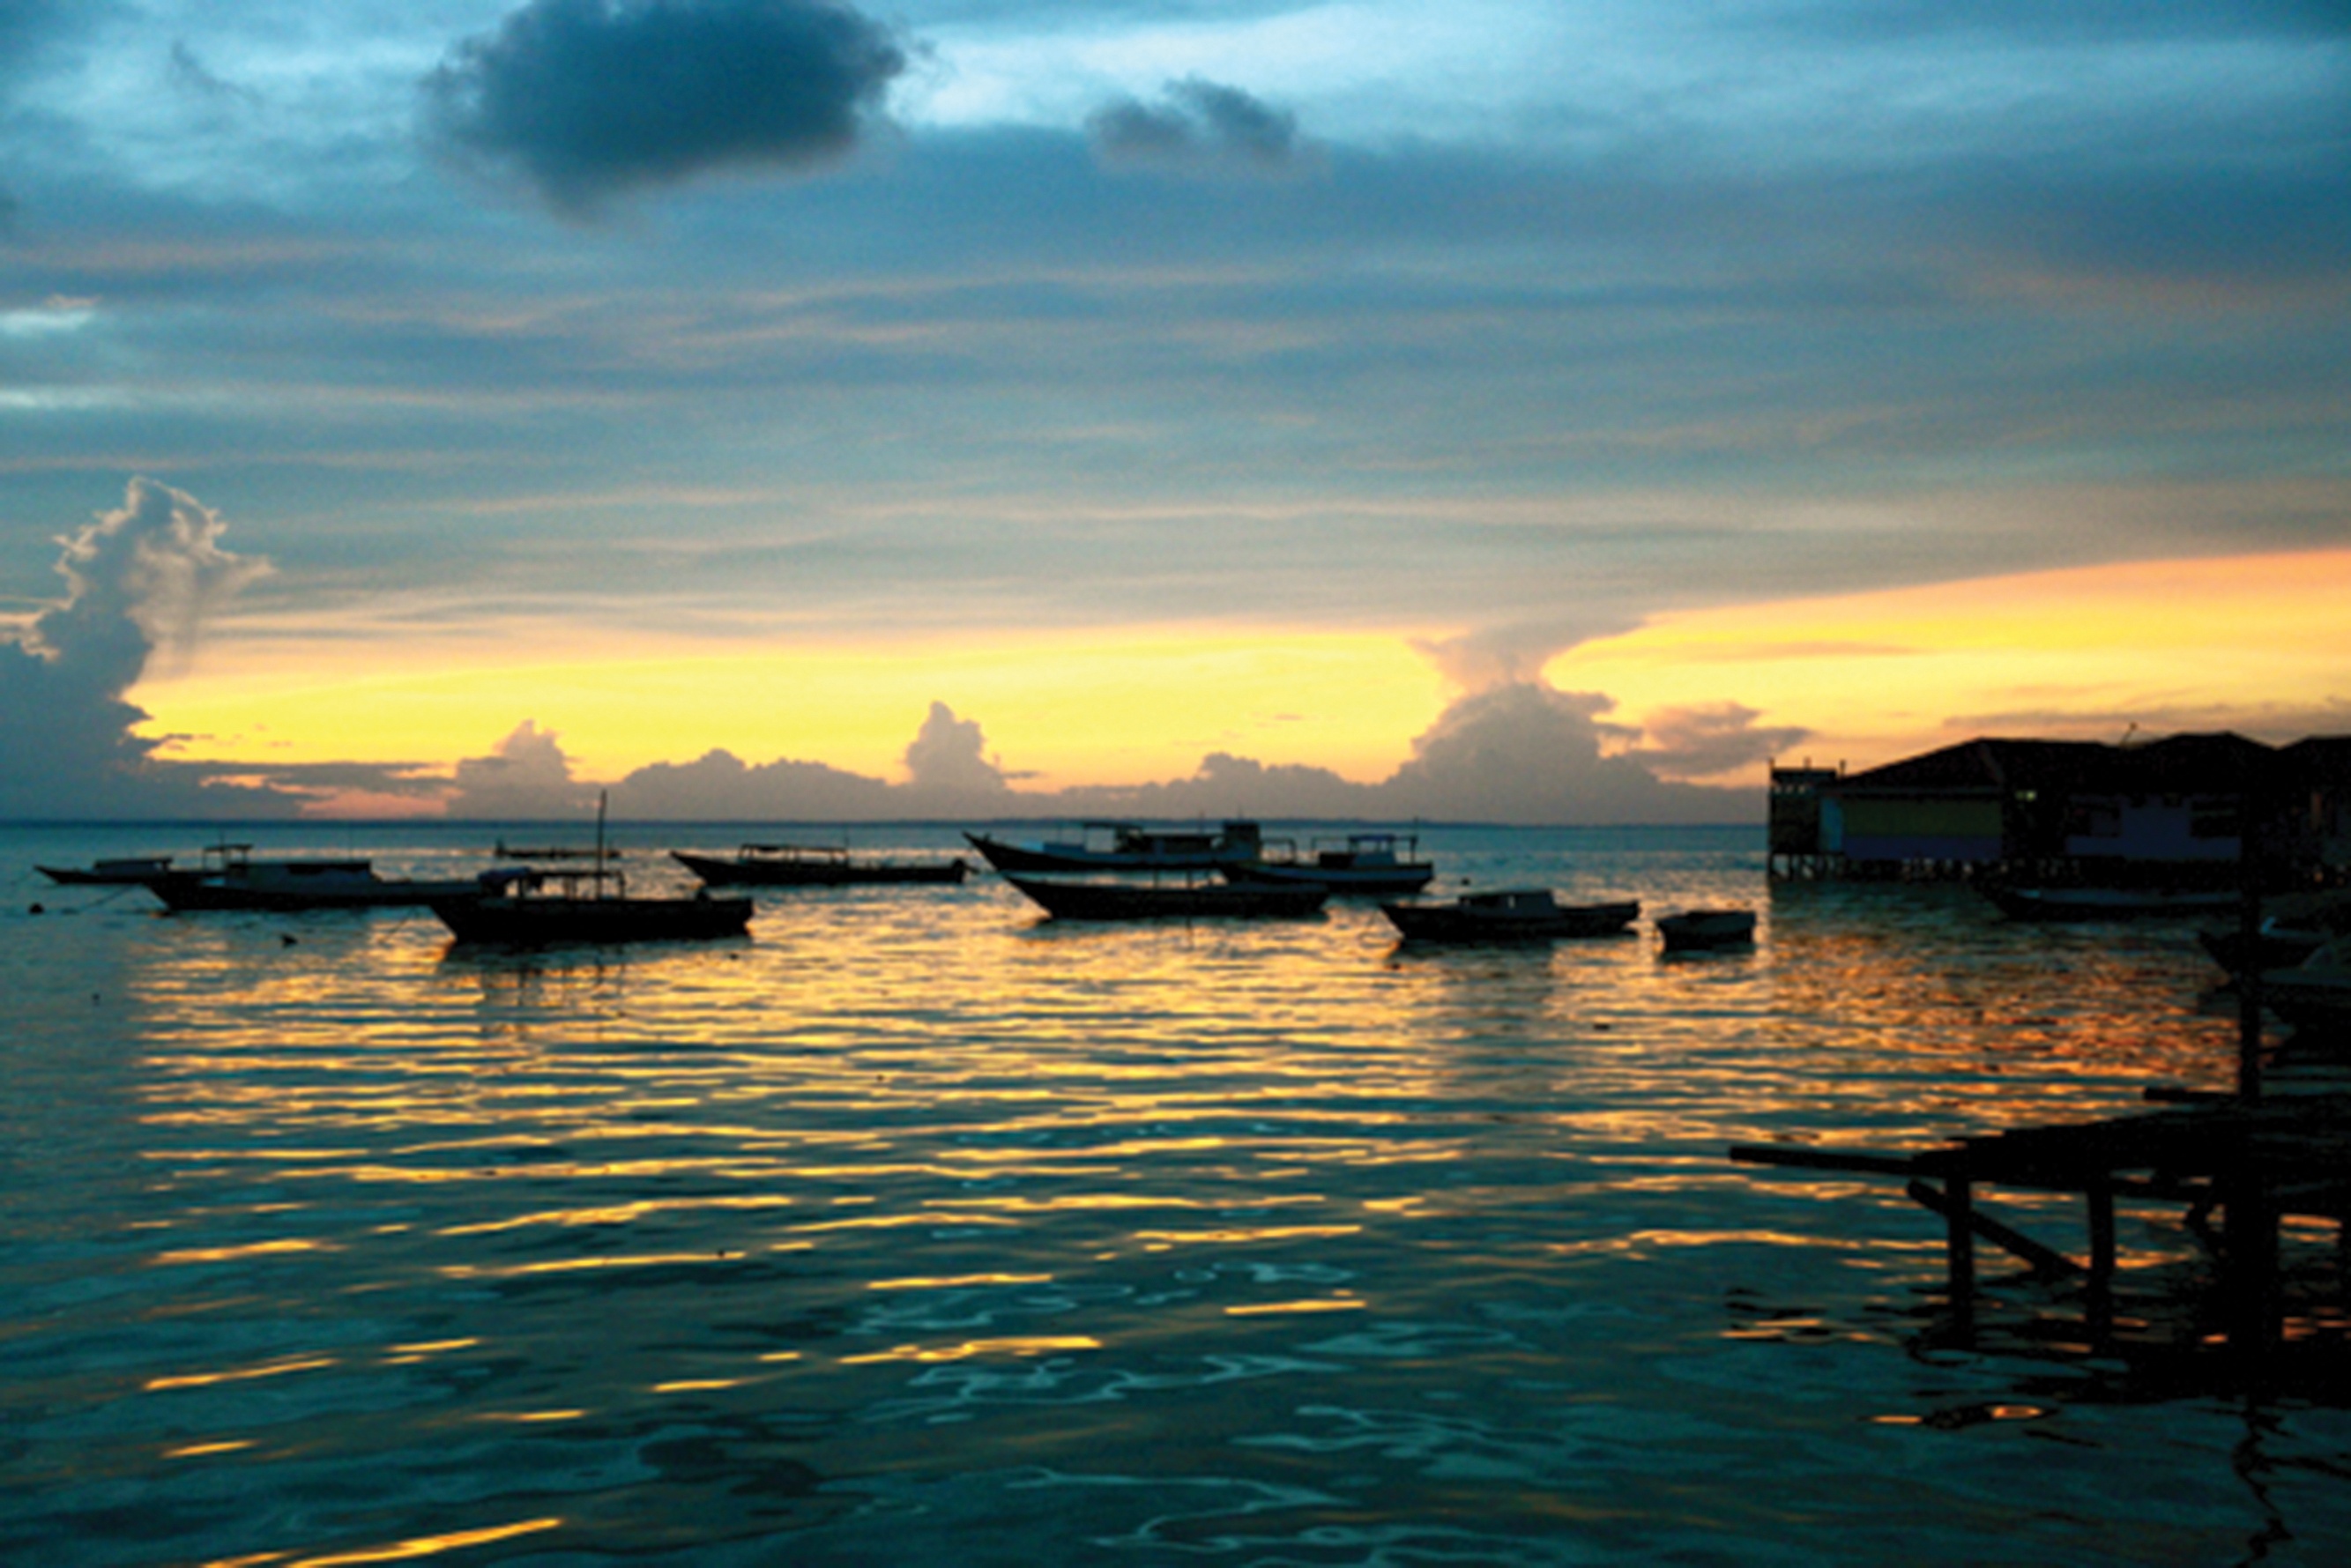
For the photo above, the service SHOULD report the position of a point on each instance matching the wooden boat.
(528, 907)
(129, 871)
(1127, 846)
(1362, 864)
(1513, 915)
(230, 878)
(1694, 929)
(2293, 929)
(599, 853)
(1189, 896)
(2107, 902)
(2315, 996)
(811, 865)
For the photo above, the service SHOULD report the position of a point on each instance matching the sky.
(1513, 410)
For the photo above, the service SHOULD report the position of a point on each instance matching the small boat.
(2315, 996)
(1512, 915)
(129, 871)
(1362, 864)
(230, 878)
(1191, 897)
(597, 854)
(1693, 929)
(526, 906)
(2107, 902)
(1127, 846)
(2294, 927)
(811, 865)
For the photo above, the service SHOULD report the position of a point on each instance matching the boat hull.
(1452, 923)
(1168, 901)
(541, 922)
(1694, 930)
(723, 871)
(132, 873)
(191, 891)
(1013, 857)
(1389, 881)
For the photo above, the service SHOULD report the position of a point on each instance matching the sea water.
(913, 1229)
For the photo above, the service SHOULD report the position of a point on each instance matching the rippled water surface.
(913, 1229)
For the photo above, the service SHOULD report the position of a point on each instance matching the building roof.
(2220, 763)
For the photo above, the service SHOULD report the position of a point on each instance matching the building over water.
(2177, 811)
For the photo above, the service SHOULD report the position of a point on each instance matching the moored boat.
(229, 878)
(2290, 930)
(1691, 930)
(811, 865)
(1127, 846)
(1372, 862)
(1191, 896)
(1509, 914)
(2315, 996)
(127, 871)
(528, 907)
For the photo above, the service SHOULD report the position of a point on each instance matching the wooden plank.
(1955, 1204)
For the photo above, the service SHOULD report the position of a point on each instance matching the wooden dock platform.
(2256, 1160)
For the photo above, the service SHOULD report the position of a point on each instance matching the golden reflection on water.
(1223, 1190)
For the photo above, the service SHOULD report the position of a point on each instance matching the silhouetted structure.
(2186, 811)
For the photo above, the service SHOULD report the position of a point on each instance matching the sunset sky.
(1521, 409)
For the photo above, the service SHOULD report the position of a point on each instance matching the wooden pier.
(2255, 1160)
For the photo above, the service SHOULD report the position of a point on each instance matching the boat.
(1692, 930)
(2315, 996)
(2107, 902)
(1127, 846)
(1362, 863)
(128, 871)
(1191, 896)
(1509, 914)
(229, 878)
(2290, 931)
(811, 865)
(530, 907)
(506, 851)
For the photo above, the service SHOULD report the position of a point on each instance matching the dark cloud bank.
(141, 580)
(585, 100)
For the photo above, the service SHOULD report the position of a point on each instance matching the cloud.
(1515, 654)
(1527, 752)
(139, 580)
(1198, 125)
(527, 777)
(719, 786)
(1711, 739)
(947, 762)
(588, 99)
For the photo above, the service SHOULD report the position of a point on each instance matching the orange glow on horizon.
(1137, 707)
(2247, 642)
(2256, 643)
